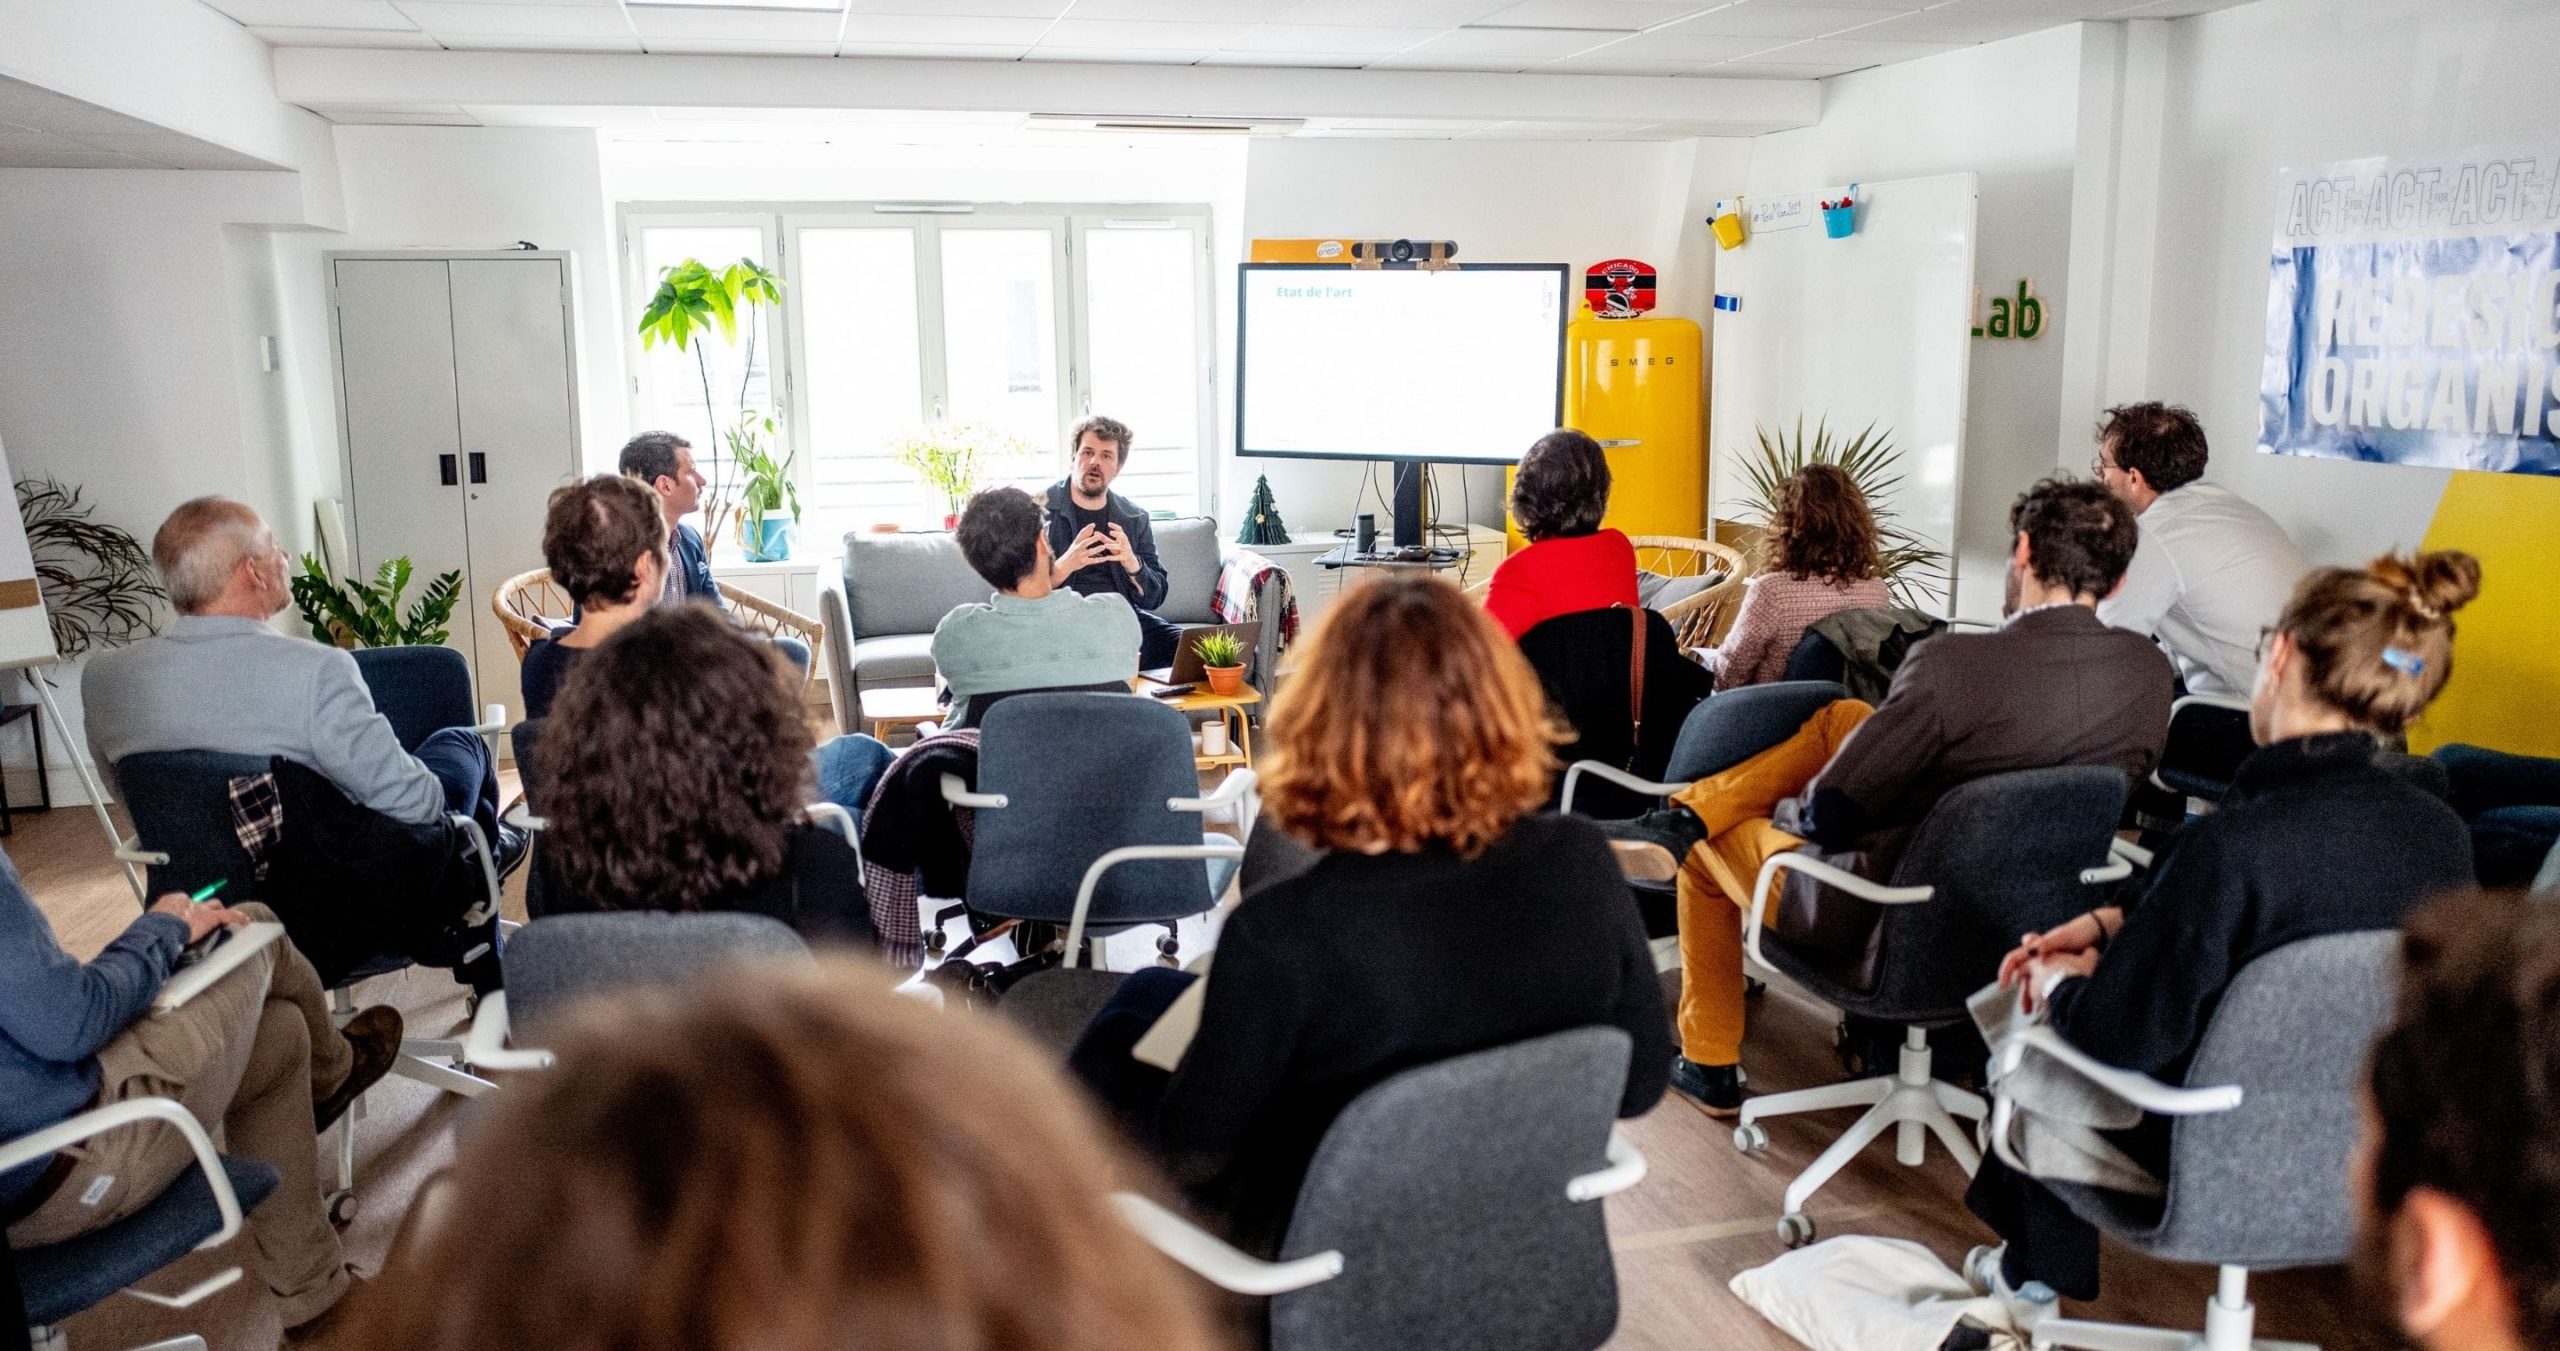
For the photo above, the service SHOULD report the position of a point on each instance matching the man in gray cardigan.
(221, 680)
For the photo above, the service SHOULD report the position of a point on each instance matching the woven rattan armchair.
(529, 603)
(1701, 619)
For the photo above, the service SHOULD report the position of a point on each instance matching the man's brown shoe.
(374, 1036)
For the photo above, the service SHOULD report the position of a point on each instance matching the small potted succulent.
(1222, 656)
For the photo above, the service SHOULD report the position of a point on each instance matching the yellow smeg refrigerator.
(1638, 387)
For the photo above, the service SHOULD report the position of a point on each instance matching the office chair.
(1399, 1240)
(557, 960)
(2259, 1148)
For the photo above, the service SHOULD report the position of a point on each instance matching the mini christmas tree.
(1261, 518)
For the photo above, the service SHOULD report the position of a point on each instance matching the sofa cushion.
(1188, 548)
(893, 659)
(905, 583)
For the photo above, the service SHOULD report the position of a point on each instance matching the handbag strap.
(1635, 683)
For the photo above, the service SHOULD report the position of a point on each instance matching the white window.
(1025, 319)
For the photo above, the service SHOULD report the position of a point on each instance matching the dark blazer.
(691, 559)
(1144, 589)
(1582, 659)
(2052, 687)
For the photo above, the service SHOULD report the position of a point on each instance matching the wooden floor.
(1703, 1213)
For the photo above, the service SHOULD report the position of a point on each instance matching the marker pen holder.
(1728, 228)
(1840, 222)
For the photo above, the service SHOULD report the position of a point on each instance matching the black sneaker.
(510, 848)
(1718, 1088)
(1674, 829)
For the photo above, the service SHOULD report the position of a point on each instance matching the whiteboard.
(26, 634)
(1871, 328)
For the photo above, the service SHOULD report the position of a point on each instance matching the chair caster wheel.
(1795, 1230)
(1754, 986)
(342, 1208)
(1168, 946)
(1980, 1266)
(1751, 1137)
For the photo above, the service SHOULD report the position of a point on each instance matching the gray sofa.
(879, 615)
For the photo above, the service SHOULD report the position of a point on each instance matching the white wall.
(2004, 112)
(2298, 82)
(1502, 201)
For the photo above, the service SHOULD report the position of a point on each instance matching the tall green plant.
(96, 580)
(692, 299)
(368, 614)
(769, 486)
(1917, 572)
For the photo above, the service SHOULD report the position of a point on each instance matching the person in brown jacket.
(2052, 686)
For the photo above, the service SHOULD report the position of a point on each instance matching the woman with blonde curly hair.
(1441, 916)
(677, 776)
(704, 1171)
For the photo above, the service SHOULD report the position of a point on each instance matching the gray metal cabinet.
(458, 410)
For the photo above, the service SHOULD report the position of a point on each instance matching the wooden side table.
(1230, 709)
(900, 706)
(10, 713)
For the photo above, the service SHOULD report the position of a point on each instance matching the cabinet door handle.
(444, 469)
(479, 467)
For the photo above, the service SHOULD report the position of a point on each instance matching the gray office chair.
(1721, 732)
(202, 1209)
(2259, 1149)
(1995, 858)
(1398, 1240)
(1089, 816)
(558, 960)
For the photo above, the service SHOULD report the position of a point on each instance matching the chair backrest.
(1582, 662)
(560, 958)
(531, 607)
(1188, 548)
(905, 583)
(1737, 724)
(1815, 657)
(2204, 749)
(2265, 1184)
(180, 802)
(2005, 855)
(1086, 774)
(1475, 1246)
(421, 689)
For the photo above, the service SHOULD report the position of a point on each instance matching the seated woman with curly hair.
(1822, 556)
(1410, 748)
(677, 777)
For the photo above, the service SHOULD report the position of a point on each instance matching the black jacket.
(1144, 589)
(1582, 660)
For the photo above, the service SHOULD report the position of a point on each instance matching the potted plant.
(1916, 571)
(1222, 656)
(769, 505)
(368, 614)
(952, 459)
(95, 579)
(693, 298)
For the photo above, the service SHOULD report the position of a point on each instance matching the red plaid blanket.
(1239, 595)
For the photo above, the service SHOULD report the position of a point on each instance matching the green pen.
(205, 893)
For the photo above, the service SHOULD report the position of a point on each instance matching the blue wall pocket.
(1728, 303)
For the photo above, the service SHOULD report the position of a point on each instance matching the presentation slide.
(1399, 365)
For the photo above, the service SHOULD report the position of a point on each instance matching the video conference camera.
(1431, 253)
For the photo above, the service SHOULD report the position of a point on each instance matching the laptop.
(1186, 668)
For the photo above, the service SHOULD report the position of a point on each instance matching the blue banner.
(2413, 315)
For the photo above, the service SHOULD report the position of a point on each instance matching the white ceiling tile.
(737, 47)
(735, 25)
(942, 30)
(1628, 15)
(2054, 11)
(1606, 64)
(1674, 46)
(1531, 44)
(1390, 13)
(536, 4)
(2172, 9)
(71, 117)
(1120, 56)
(1192, 11)
(936, 51)
(506, 42)
(1140, 35)
(1789, 23)
(1952, 23)
(964, 9)
(52, 152)
(341, 37)
(472, 18)
(1786, 70)
(1854, 53)
(1290, 37)
(313, 13)
(1292, 60)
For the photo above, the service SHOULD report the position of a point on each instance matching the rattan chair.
(528, 603)
(1701, 619)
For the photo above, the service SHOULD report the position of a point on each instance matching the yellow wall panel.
(2506, 668)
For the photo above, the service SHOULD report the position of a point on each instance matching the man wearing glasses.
(2212, 570)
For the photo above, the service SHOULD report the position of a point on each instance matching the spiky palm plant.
(1871, 460)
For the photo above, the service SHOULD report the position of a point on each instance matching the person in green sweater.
(1032, 634)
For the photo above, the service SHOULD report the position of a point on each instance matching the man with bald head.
(221, 680)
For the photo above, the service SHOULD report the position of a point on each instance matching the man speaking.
(1102, 542)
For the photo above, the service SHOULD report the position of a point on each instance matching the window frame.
(781, 224)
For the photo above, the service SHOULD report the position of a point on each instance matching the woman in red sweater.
(1571, 564)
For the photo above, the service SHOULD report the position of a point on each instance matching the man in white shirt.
(2212, 570)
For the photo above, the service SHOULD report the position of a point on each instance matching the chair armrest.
(834, 817)
(485, 1047)
(2115, 869)
(1626, 1169)
(522, 818)
(1573, 777)
(2141, 1090)
(958, 795)
(1829, 875)
(1218, 1261)
(493, 721)
(87, 1125)
(1238, 787)
(131, 851)
(2130, 852)
(1135, 853)
(835, 625)
(1986, 625)
(496, 896)
(2184, 702)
